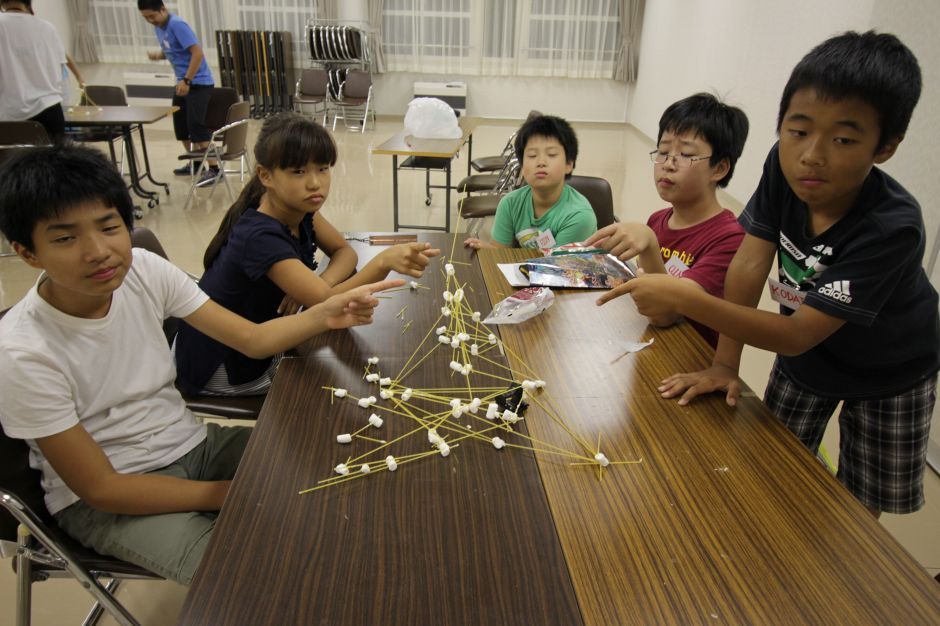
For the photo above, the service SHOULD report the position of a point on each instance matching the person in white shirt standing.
(31, 63)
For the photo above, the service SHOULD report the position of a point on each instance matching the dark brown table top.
(726, 519)
(115, 115)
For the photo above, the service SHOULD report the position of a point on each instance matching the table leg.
(151, 197)
(447, 201)
(395, 189)
(469, 152)
(147, 171)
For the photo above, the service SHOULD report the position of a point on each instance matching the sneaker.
(208, 178)
(186, 170)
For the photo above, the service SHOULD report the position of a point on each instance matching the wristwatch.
(187, 81)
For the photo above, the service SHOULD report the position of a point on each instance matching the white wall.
(579, 100)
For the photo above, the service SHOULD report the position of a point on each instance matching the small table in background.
(428, 154)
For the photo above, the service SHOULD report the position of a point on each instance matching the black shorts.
(189, 122)
(53, 120)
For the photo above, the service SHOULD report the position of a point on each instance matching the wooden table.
(125, 119)
(403, 144)
(728, 519)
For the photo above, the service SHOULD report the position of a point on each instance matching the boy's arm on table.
(85, 468)
(736, 318)
(352, 308)
(632, 240)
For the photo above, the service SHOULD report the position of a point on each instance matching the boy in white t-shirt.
(88, 376)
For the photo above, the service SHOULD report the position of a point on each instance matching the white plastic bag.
(430, 118)
(521, 306)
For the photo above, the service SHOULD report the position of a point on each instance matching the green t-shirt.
(570, 220)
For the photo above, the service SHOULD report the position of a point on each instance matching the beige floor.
(361, 200)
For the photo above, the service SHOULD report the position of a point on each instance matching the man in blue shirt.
(194, 81)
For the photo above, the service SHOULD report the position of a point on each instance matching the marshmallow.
(454, 403)
(465, 370)
(476, 316)
(339, 393)
(463, 336)
(540, 384)
(365, 468)
(341, 469)
(474, 349)
(528, 385)
(444, 339)
(475, 405)
(458, 295)
(344, 438)
(433, 438)
(491, 338)
(443, 448)
(391, 463)
(600, 458)
(498, 443)
(385, 382)
(448, 296)
(375, 420)
(406, 394)
(449, 269)
(372, 377)
(491, 410)
(373, 360)
(445, 311)
(510, 417)
(454, 365)
(366, 402)
(413, 285)
(455, 343)
(386, 394)
(441, 330)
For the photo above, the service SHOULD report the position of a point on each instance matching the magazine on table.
(578, 270)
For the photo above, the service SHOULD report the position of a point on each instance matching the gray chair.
(477, 208)
(228, 143)
(354, 102)
(311, 90)
(598, 193)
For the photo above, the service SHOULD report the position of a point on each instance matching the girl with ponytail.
(260, 264)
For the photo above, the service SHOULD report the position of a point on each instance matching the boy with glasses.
(694, 239)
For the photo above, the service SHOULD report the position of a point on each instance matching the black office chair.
(230, 407)
(39, 548)
(598, 193)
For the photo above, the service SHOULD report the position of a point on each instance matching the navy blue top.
(237, 280)
(864, 269)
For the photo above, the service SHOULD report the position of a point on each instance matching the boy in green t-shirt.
(546, 212)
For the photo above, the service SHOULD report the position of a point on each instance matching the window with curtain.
(570, 38)
(124, 36)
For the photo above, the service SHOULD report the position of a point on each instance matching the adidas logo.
(838, 290)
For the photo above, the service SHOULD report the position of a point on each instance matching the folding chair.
(103, 95)
(40, 550)
(496, 163)
(228, 143)
(478, 208)
(311, 90)
(598, 193)
(355, 99)
(231, 407)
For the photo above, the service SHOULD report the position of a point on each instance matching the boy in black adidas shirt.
(858, 316)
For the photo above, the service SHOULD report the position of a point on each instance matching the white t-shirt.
(31, 62)
(114, 375)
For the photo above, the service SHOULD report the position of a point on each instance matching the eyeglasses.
(679, 159)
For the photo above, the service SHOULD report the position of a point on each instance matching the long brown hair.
(286, 141)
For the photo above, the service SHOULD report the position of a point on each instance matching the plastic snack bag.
(430, 118)
(521, 306)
